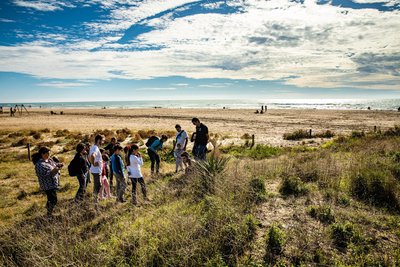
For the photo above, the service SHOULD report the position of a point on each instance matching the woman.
(153, 149)
(135, 173)
(82, 169)
(48, 173)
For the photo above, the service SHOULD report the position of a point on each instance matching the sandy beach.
(268, 128)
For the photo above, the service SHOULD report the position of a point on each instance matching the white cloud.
(157, 89)
(43, 5)
(6, 20)
(62, 84)
(180, 84)
(305, 45)
(215, 85)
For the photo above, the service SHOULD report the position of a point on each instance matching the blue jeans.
(199, 151)
(155, 160)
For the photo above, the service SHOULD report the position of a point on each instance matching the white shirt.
(180, 138)
(134, 166)
(95, 150)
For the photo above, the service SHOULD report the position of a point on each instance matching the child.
(178, 157)
(105, 186)
(187, 162)
(118, 169)
(135, 173)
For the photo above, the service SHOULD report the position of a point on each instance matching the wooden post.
(310, 133)
(29, 151)
(375, 129)
(252, 141)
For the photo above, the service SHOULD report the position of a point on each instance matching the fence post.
(252, 141)
(310, 133)
(29, 151)
(375, 129)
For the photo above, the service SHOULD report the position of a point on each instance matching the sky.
(97, 50)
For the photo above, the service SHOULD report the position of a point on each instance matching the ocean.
(339, 104)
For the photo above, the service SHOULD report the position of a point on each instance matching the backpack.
(73, 167)
(151, 140)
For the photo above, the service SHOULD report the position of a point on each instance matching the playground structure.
(17, 108)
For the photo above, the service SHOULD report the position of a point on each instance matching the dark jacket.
(81, 163)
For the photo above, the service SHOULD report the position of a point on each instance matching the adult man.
(180, 138)
(201, 140)
(96, 161)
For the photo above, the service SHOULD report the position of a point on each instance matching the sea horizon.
(323, 104)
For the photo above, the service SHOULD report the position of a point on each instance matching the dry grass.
(228, 212)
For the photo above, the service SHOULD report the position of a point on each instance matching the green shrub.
(21, 142)
(343, 234)
(343, 200)
(257, 191)
(275, 240)
(326, 134)
(258, 152)
(323, 214)
(297, 135)
(206, 171)
(396, 157)
(292, 185)
(61, 133)
(262, 152)
(377, 188)
(395, 131)
(45, 130)
(16, 134)
(357, 134)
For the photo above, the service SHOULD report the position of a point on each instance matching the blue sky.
(180, 49)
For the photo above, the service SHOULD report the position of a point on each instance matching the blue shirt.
(117, 164)
(156, 145)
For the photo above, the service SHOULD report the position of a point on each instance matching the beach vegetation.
(322, 213)
(305, 134)
(292, 185)
(234, 209)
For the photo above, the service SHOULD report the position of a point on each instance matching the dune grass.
(332, 205)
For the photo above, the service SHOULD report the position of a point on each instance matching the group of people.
(104, 165)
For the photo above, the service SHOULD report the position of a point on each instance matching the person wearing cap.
(48, 173)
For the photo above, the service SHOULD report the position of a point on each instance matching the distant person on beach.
(11, 112)
(105, 186)
(48, 173)
(1, 110)
(153, 150)
(135, 173)
(118, 169)
(398, 109)
(96, 162)
(201, 140)
(110, 149)
(81, 167)
(256, 112)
